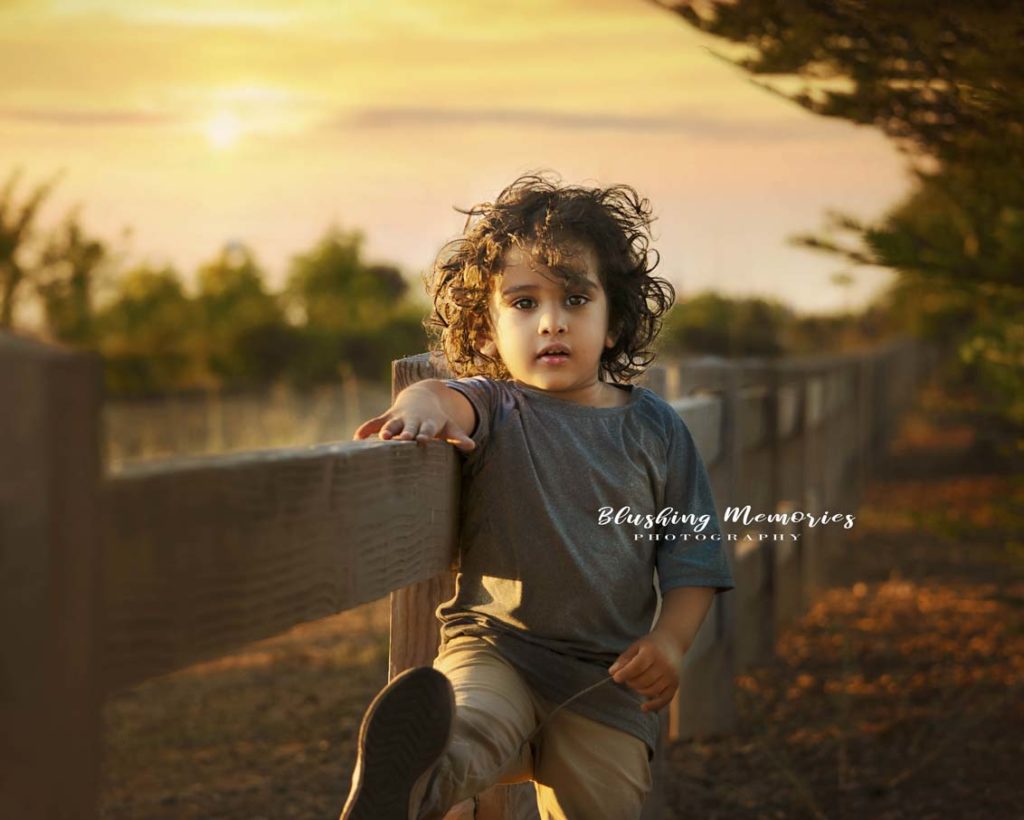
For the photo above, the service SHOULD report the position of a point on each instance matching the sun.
(223, 130)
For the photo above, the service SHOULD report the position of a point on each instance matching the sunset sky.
(264, 122)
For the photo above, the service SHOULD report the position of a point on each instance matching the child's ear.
(488, 348)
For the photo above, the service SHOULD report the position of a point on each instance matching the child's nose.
(553, 319)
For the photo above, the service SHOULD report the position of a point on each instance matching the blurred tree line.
(336, 316)
(945, 80)
(709, 323)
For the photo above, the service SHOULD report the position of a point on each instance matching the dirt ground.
(898, 695)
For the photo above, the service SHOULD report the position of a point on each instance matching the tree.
(246, 339)
(332, 288)
(942, 78)
(352, 314)
(148, 335)
(714, 324)
(946, 81)
(17, 222)
(68, 267)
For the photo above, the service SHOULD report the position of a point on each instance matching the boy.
(546, 295)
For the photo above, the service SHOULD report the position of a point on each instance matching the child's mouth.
(554, 358)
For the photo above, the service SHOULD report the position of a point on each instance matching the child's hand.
(650, 667)
(417, 415)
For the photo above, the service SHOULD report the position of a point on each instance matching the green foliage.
(337, 316)
(942, 78)
(945, 81)
(332, 288)
(993, 353)
(66, 279)
(245, 337)
(17, 223)
(147, 334)
(354, 316)
(713, 324)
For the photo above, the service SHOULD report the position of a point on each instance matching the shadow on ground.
(267, 732)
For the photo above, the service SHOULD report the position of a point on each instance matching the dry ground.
(267, 732)
(897, 696)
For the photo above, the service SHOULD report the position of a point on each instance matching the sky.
(196, 124)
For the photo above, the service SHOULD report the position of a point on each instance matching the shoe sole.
(400, 739)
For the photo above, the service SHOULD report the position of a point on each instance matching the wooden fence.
(108, 580)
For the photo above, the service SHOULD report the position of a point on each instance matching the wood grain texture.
(753, 416)
(710, 660)
(49, 606)
(815, 399)
(203, 555)
(789, 411)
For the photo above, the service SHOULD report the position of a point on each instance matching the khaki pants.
(582, 769)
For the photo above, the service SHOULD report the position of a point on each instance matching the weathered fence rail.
(108, 580)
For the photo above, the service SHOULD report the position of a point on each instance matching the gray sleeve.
(690, 551)
(485, 397)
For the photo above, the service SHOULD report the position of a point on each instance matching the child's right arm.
(424, 410)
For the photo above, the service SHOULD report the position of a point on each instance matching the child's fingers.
(369, 427)
(657, 684)
(447, 432)
(464, 443)
(636, 666)
(458, 437)
(623, 659)
(661, 700)
(653, 676)
(643, 674)
(427, 431)
(394, 427)
(409, 429)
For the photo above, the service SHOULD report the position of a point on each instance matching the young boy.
(576, 489)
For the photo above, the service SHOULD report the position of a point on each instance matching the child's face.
(531, 310)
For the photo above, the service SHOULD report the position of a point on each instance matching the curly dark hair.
(536, 210)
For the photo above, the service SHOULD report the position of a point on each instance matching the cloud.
(406, 116)
(694, 124)
(85, 118)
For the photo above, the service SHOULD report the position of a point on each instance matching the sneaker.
(404, 733)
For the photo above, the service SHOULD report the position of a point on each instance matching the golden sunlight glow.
(267, 119)
(223, 130)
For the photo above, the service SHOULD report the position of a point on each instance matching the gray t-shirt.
(546, 575)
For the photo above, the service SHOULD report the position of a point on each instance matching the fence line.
(109, 579)
(141, 430)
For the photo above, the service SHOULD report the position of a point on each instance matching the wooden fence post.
(415, 633)
(50, 467)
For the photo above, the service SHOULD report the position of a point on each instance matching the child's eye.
(585, 299)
